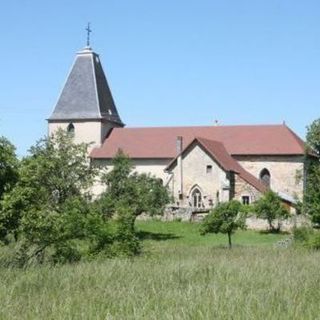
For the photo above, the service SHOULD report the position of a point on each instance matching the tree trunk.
(229, 238)
(271, 225)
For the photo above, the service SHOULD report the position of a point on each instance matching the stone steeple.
(86, 104)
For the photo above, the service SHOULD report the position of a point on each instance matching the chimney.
(179, 144)
(179, 167)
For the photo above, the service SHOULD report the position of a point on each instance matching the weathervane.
(88, 34)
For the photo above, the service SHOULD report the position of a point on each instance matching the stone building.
(201, 165)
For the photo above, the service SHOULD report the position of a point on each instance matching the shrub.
(270, 207)
(302, 234)
(314, 242)
(307, 237)
(126, 242)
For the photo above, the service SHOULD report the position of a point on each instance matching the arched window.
(196, 198)
(265, 177)
(70, 128)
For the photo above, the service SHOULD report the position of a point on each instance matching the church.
(200, 165)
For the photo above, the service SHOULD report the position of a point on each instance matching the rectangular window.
(209, 169)
(245, 200)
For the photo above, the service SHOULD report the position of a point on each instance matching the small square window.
(245, 200)
(209, 169)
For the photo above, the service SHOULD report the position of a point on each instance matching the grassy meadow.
(180, 275)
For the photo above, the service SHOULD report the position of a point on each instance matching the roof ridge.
(296, 137)
(204, 126)
(96, 85)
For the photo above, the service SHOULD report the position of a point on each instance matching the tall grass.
(172, 280)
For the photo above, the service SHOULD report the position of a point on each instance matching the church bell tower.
(86, 106)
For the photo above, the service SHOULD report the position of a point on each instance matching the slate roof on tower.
(86, 93)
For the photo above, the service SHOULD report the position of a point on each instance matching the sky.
(168, 62)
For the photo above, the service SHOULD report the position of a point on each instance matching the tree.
(313, 136)
(129, 194)
(270, 207)
(49, 204)
(225, 218)
(142, 193)
(8, 173)
(311, 203)
(8, 166)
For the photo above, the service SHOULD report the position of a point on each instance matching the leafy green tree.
(225, 218)
(47, 208)
(142, 193)
(270, 207)
(311, 204)
(313, 136)
(8, 166)
(128, 194)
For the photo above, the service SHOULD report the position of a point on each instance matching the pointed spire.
(86, 94)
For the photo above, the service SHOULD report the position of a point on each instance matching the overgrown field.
(180, 275)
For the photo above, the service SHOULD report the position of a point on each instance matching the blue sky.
(168, 62)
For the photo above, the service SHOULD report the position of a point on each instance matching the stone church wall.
(285, 171)
(194, 172)
(242, 188)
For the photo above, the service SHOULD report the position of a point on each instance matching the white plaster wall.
(283, 170)
(152, 166)
(86, 131)
(194, 166)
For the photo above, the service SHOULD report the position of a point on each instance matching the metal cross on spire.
(88, 34)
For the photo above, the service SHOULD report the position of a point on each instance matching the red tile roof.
(219, 153)
(160, 142)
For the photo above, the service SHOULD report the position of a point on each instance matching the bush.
(307, 237)
(302, 234)
(314, 242)
(271, 208)
(125, 239)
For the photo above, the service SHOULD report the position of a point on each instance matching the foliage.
(313, 136)
(142, 193)
(8, 166)
(302, 234)
(48, 207)
(226, 218)
(270, 207)
(126, 241)
(314, 242)
(307, 237)
(311, 203)
(129, 194)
